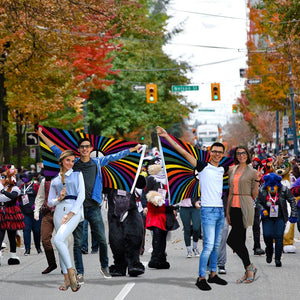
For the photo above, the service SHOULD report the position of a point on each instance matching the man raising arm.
(210, 175)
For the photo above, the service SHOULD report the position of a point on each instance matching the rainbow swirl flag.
(117, 175)
(182, 176)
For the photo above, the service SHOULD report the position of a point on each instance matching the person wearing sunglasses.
(243, 189)
(210, 175)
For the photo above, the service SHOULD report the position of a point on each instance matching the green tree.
(119, 109)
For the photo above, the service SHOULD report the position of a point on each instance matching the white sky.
(216, 31)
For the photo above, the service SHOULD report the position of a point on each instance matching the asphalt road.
(25, 281)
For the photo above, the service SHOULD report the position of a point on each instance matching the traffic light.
(151, 93)
(234, 108)
(215, 91)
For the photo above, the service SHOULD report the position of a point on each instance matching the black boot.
(153, 263)
(278, 263)
(137, 269)
(269, 254)
(116, 271)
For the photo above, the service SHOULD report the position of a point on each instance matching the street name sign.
(285, 122)
(141, 87)
(184, 88)
(254, 81)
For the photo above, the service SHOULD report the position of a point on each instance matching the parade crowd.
(257, 189)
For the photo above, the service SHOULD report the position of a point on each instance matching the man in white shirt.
(212, 212)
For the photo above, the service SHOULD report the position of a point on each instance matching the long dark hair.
(236, 162)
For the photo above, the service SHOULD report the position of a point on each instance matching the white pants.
(63, 232)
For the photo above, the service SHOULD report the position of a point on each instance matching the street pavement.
(25, 281)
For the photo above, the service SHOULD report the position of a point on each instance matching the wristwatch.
(2, 191)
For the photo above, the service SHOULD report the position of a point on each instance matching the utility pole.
(285, 134)
(277, 131)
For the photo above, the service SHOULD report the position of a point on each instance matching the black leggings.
(11, 237)
(237, 236)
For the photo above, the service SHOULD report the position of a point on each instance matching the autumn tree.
(62, 53)
(273, 47)
(237, 132)
(54, 47)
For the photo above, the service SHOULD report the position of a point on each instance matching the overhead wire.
(229, 17)
(177, 68)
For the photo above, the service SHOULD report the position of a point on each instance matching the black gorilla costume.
(125, 232)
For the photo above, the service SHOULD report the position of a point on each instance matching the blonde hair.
(64, 154)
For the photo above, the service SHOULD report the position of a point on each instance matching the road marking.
(125, 290)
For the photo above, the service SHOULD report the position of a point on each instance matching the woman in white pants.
(67, 193)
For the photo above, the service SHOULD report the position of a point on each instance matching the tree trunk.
(4, 141)
(20, 135)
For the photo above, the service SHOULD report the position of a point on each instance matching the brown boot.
(51, 261)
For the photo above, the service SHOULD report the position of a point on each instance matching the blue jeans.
(85, 243)
(273, 228)
(35, 226)
(212, 220)
(94, 217)
(298, 222)
(188, 214)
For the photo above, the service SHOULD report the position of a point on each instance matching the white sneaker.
(189, 254)
(105, 273)
(196, 252)
(80, 279)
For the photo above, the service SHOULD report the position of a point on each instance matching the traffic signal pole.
(285, 134)
(293, 116)
(277, 131)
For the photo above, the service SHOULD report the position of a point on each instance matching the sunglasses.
(241, 153)
(84, 146)
(217, 152)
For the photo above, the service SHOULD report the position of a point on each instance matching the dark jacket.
(31, 191)
(284, 195)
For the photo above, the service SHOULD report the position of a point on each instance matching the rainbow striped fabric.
(182, 177)
(118, 174)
